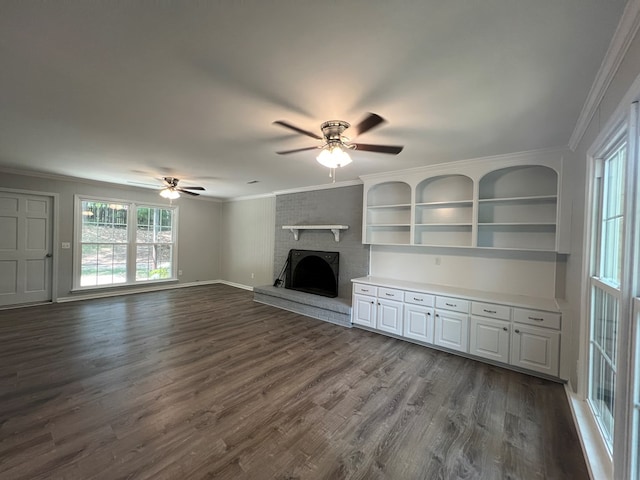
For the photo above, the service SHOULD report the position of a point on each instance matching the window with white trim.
(120, 243)
(605, 286)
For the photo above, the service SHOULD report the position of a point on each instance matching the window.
(123, 243)
(605, 283)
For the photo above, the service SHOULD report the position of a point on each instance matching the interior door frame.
(55, 202)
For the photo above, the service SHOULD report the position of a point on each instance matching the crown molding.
(624, 34)
(527, 155)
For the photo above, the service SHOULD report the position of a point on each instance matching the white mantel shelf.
(335, 229)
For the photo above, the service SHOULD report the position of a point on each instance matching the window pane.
(154, 225)
(610, 244)
(602, 367)
(153, 262)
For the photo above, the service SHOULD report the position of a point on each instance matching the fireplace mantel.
(335, 229)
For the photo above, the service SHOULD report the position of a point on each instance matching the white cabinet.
(490, 338)
(451, 330)
(535, 349)
(418, 323)
(364, 310)
(389, 316)
(379, 308)
(526, 338)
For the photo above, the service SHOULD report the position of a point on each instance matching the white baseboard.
(596, 455)
(237, 285)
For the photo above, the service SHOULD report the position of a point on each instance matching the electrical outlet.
(253, 275)
(179, 273)
(437, 260)
(66, 245)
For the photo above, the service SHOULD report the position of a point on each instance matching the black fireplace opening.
(313, 271)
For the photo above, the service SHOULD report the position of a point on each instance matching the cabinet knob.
(505, 329)
(438, 315)
(517, 331)
(429, 313)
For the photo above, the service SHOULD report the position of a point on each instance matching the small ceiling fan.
(172, 191)
(333, 154)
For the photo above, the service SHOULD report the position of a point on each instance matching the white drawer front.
(491, 310)
(418, 298)
(365, 289)
(455, 304)
(390, 293)
(536, 317)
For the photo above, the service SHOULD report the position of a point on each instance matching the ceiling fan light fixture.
(170, 193)
(333, 157)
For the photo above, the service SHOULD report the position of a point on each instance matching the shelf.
(528, 199)
(373, 225)
(443, 225)
(400, 205)
(445, 203)
(335, 229)
(517, 224)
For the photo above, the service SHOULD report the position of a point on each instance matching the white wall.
(575, 167)
(248, 233)
(519, 273)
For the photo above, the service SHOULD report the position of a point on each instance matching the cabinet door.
(452, 330)
(489, 338)
(418, 323)
(535, 349)
(389, 316)
(364, 310)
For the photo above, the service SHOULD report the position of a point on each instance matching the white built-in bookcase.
(510, 202)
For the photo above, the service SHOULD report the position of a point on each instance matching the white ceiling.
(132, 91)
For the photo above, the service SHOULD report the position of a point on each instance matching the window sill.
(596, 455)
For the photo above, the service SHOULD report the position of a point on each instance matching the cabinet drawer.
(390, 293)
(536, 317)
(491, 310)
(418, 298)
(455, 304)
(365, 289)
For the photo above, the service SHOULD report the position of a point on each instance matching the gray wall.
(342, 205)
(247, 241)
(198, 224)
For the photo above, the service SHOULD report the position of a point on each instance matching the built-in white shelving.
(502, 204)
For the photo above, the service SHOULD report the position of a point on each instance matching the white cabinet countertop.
(523, 301)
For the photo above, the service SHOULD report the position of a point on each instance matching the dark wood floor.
(204, 383)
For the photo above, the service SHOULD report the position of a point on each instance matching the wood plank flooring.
(202, 383)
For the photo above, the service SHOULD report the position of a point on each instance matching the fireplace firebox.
(313, 271)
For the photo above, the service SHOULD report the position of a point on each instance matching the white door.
(418, 323)
(364, 310)
(389, 316)
(25, 248)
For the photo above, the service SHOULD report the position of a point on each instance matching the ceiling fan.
(335, 144)
(172, 191)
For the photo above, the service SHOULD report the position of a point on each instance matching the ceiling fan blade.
(193, 188)
(391, 149)
(285, 124)
(182, 190)
(286, 152)
(372, 120)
